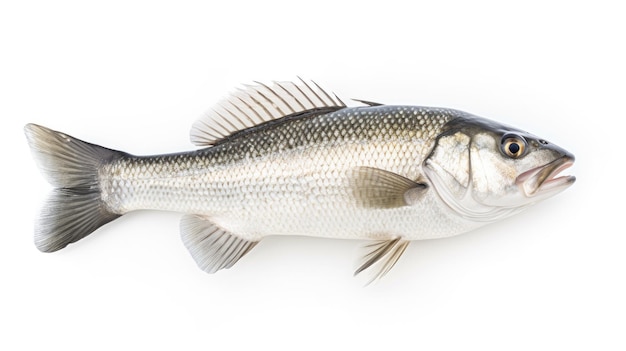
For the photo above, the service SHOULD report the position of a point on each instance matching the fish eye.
(513, 145)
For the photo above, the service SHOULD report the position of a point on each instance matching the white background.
(134, 75)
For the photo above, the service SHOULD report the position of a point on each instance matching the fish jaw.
(544, 181)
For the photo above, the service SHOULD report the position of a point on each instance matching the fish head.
(484, 170)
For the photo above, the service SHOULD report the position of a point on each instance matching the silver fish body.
(289, 159)
(282, 181)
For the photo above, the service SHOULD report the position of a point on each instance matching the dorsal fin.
(368, 103)
(260, 103)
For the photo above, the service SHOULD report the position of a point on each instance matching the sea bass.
(288, 158)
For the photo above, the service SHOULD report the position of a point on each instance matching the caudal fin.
(75, 208)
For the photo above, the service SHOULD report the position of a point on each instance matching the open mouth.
(546, 178)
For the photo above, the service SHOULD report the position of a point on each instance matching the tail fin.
(75, 208)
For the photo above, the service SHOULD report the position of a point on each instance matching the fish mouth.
(546, 179)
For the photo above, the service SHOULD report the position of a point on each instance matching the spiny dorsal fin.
(381, 256)
(260, 103)
(368, 103)
(210, 246)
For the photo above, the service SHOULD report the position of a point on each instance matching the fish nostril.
(543, 142)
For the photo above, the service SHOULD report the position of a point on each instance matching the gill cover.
(467, 171)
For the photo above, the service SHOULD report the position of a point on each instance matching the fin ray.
(368, 103)
(211, 247)
(260, 103)
(378, 188)
(381, 257)
(75, 208)
(68, 216)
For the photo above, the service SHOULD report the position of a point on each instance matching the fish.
(289, 158)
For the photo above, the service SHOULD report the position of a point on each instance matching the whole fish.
(287, 158)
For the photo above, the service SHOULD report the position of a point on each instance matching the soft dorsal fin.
(260, 103)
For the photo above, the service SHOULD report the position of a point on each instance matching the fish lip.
(544, 178)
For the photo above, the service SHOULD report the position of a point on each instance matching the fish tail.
(75, 207)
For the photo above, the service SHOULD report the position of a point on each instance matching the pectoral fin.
(381, 256)
(210, 246)
(377, 188)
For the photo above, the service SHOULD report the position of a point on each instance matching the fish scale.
(243, 185)
(290, 159)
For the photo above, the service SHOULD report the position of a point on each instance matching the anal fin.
(381, 256)
(211, 247)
